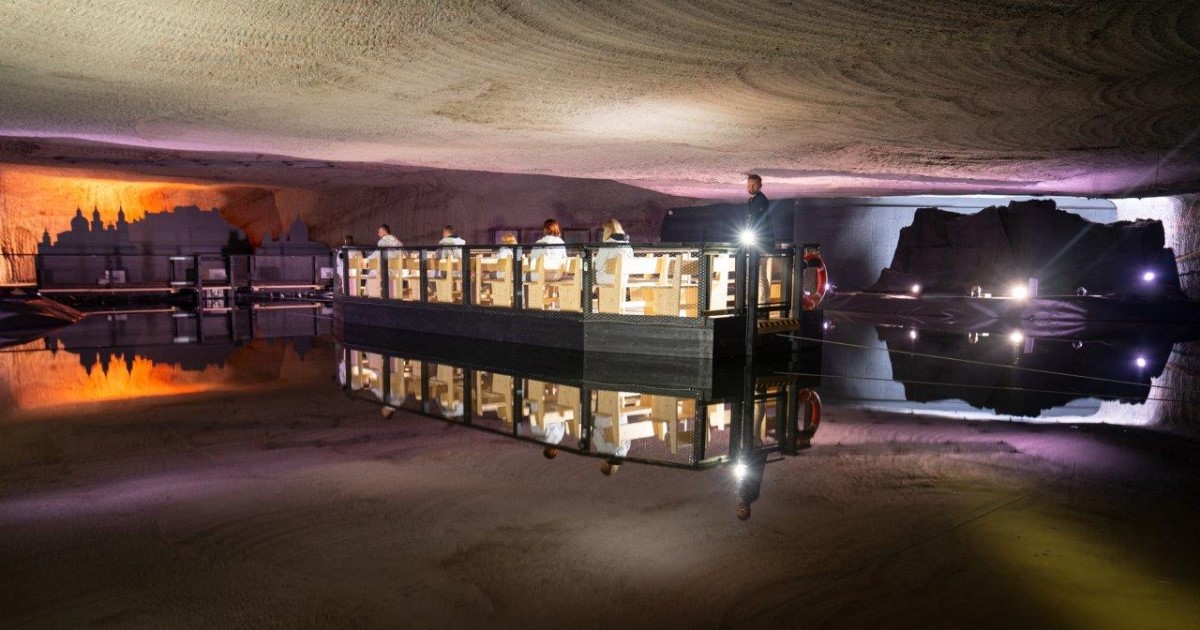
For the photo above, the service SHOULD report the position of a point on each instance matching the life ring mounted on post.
(812, 299)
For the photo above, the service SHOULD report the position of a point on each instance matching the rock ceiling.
(820, 96)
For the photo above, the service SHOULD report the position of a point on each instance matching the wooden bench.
(493, 392)
(613, 414)
(554, 285)
(491, 281)
(636, 281)
(404, 381)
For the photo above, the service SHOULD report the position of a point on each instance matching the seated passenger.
(450, 239)
(386, 240)
(612, 233)
(550, 246)
(508, 252)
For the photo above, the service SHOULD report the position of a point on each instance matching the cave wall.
(858, 235)
(420, 203)
(1180, 217)
(415, 202)
(1002, 245)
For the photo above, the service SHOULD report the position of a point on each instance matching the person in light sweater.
(613, 235)
(450, 244)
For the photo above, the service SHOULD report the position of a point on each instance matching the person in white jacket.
(613, 234)
(550, 246)
(387, 240)
(450, 242)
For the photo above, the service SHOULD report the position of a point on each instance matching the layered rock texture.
(999, 246)
(821, 96)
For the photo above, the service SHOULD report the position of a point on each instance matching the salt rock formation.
(946, 252)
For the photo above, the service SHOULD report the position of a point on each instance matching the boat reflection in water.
(738, 420)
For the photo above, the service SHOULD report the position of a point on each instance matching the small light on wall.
(1141, 362)
(1016, 336)
(1148, 276)
(916, 289)
(912, 334)
(1020, 291)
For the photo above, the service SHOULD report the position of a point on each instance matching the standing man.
(760, 234)
(757, 208)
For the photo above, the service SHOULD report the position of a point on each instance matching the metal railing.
(610, 279)
(648, 426)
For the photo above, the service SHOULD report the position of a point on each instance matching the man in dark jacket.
(757, 208)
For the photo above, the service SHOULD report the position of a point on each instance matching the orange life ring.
(814, 400)
(812, 300)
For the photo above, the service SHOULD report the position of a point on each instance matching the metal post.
(518, 281)
(464, 270)
(468, 387)
(518, 396)
(586, 267)
(700, 431)
(797, 283)
(385, 284)
(787, 281)
(751, 286)
(423, 272)
(345, 258)
(704, 282)
(586, 421)
(387, 379)
(426, 406)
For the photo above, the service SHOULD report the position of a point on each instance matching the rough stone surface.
(947, 252)
(821, 96)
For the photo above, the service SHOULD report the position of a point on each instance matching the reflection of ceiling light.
(739, 471)
(1016, 337)
(1148, 276)
(916, 288)
(1141, 362)
(1020, 291)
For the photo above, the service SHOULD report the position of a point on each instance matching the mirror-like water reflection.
(122, 356)
(750, 420)
(1004, 370)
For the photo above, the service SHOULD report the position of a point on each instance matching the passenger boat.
(666, 301)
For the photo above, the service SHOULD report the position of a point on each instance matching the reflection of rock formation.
(947, 252)
(976, 369)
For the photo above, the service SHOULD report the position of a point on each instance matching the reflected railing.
(665, 280)
(662, 427)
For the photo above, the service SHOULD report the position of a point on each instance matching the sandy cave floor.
(299, 507)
